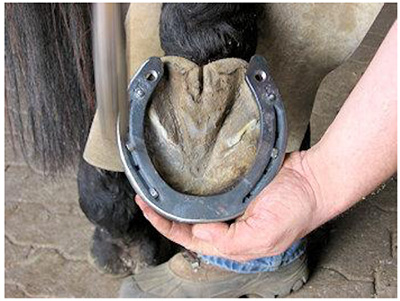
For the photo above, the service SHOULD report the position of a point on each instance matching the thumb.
(234, 240)
(210, 232)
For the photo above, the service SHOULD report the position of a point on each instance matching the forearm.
(359, 150)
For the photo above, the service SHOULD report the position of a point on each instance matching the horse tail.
(49, 91)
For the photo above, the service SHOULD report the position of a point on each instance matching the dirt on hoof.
(202, 125)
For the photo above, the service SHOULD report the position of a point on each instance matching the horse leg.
(123, 240)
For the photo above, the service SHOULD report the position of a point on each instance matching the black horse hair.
(49, 93)
(205, 32)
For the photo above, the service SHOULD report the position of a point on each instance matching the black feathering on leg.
(123, 240)
(107, 199)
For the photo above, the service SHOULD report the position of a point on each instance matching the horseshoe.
(224, 206)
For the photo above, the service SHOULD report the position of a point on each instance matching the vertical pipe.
(109, 66)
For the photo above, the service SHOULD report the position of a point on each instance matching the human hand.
(283, 212)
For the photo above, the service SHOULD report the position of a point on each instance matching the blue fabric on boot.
(263, 264)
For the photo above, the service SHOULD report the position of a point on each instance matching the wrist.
(323, 209)
(299, 163)
(323, 212)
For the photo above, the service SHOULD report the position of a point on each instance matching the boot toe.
(130, 289)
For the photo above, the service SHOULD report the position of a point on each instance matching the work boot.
(185, 276)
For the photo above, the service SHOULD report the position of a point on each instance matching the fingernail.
(204, 235)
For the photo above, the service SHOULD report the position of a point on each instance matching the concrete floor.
(47, 237)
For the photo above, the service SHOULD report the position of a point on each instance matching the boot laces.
(192, 259)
